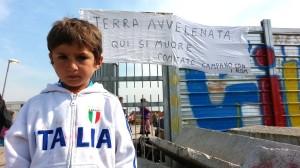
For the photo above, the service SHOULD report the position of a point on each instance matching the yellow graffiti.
(290, 71)
(174, 79)
(175, 122)
(175, 101)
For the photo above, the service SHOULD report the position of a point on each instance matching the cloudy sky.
(24, 25)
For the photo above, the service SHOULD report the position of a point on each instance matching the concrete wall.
(290, 135)
(214, 148)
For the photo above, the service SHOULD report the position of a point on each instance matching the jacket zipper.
(72, 127)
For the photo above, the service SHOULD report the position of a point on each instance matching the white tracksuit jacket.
(60, 129)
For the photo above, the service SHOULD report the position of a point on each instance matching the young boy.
(75, 122)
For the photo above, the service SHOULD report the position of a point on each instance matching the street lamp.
(9, 61)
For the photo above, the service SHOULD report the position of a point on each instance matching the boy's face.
(74, 66)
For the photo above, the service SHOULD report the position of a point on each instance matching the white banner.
(136, 37)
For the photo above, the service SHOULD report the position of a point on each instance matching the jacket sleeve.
(125, 152)
(16, 143)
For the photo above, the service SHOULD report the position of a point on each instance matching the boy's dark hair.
(75, 31)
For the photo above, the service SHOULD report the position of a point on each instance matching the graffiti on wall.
(237, 102)
(290, 85)
(227, 113)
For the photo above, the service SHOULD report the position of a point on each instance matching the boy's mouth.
(73, 77)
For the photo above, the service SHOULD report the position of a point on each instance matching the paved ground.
(2, 160)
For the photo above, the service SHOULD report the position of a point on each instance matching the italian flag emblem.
(94, 115)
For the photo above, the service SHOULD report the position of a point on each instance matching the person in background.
(75, 122)
(145, 118)
(121, 99)
(6, 119)
(155, 120)
(161, 128)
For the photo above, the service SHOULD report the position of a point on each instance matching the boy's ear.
(50, 57)
(99, 62)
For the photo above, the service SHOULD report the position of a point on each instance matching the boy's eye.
(82, 57)
(62, 57)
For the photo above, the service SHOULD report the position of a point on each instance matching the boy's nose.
(72, 66)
